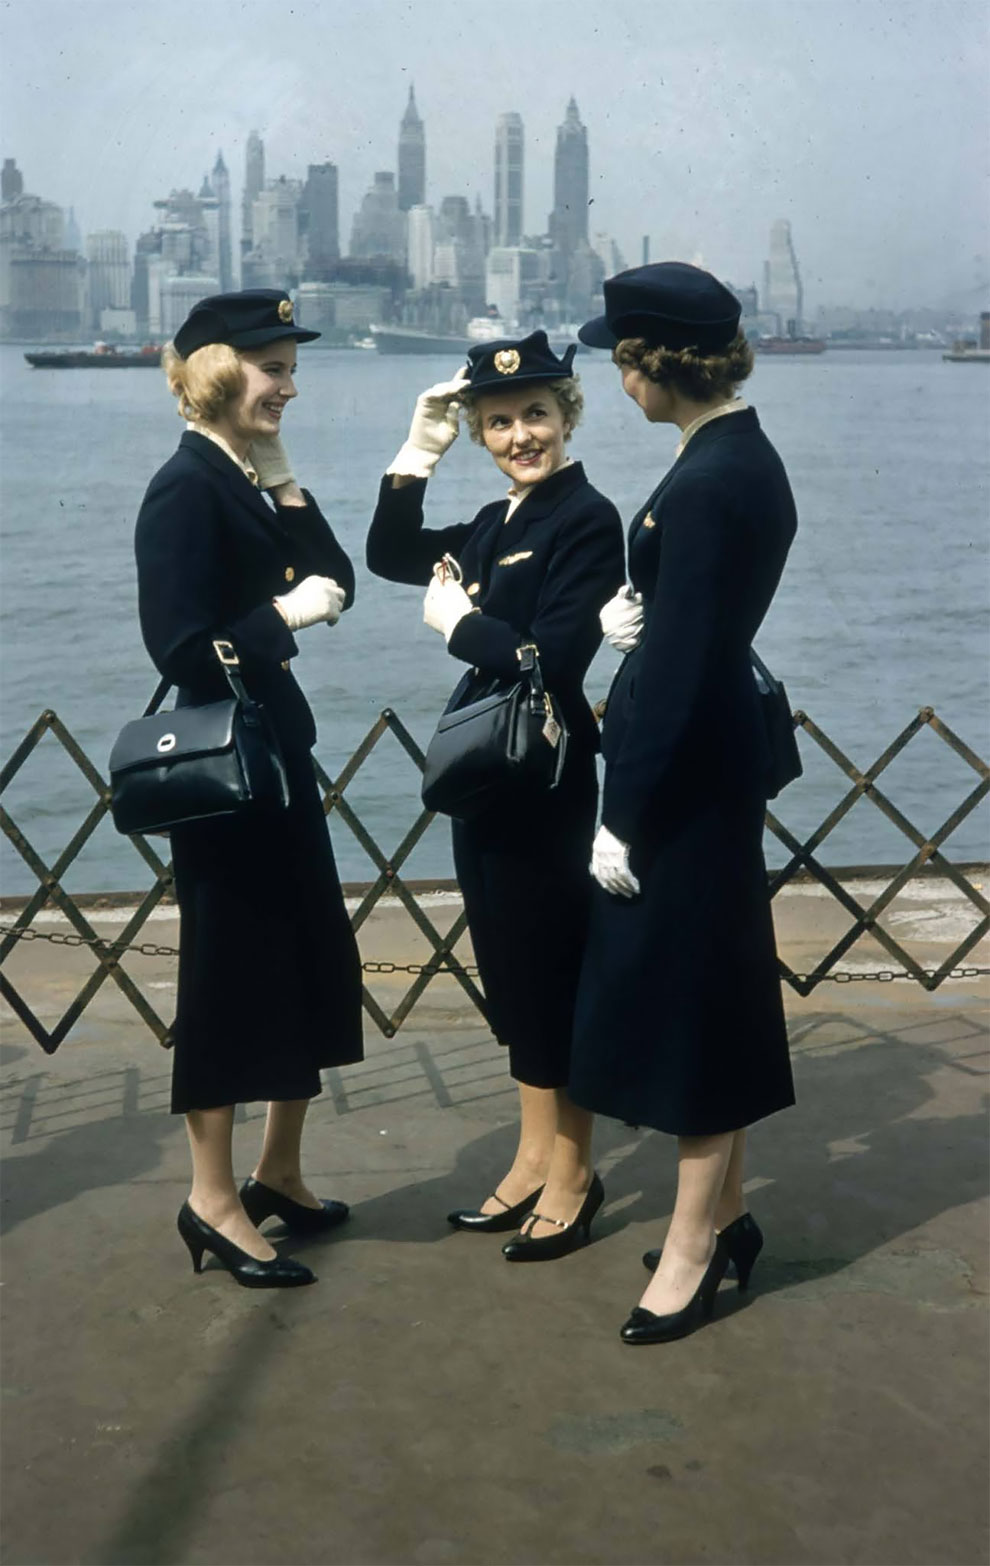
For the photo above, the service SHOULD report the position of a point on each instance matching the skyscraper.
(254, 184)
(220, 181)
(379, 228)
(319, 221)
(569, 219)
(782, 291)
(508, 180)
(412, 158)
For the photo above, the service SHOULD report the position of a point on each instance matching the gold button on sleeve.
(285, 664)
(290, 574)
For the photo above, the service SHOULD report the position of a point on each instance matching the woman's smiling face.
(267, 386)
(524, 429)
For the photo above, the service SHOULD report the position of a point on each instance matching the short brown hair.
(570, 400)
(204, 382)
(701, 377)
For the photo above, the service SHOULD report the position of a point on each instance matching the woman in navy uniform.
(680, 1024)
(535, 568)
(269, 987)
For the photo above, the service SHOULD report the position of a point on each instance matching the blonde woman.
(269, 984)
(536, 567)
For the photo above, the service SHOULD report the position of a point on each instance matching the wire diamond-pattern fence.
(389, 881)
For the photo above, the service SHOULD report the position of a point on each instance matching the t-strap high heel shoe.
(571, 1236)
(279, 1273)
(743, 1241)
(644, 1326)
(494, 1223)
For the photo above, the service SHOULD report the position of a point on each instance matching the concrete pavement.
(427, 1403)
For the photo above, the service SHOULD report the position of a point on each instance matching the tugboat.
(102, 356)
(966, 351)
(789, 345)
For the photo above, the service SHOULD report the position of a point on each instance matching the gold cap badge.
(507, 361)
(285, 310)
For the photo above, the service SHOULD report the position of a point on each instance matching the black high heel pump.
(644, 1326)
(743, 1241)
(570, 1238)
(279, 1273)
(471, 1218)
(261, 1201)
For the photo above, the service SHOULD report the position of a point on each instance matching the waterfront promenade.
(426, 1403)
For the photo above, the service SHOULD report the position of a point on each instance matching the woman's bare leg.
(213, 1196)
(280, 1165)
(570, 1172)
(537, 1129)
(702, 1166)
(731, 1203)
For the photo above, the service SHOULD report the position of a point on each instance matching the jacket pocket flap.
(174, 736)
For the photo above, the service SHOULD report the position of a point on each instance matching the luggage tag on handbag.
(551, 728)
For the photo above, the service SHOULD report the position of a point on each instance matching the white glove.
(433, 429)
(445, 605)
(622, 620)
(270, 460)
(316, 598)
(610, 864)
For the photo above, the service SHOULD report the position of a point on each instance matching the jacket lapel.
(539, 503)
(240, 484)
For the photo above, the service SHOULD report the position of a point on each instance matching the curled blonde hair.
(205, 382)
(568, 393)
(700, 377)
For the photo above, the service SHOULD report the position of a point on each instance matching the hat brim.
(269, 334)
(597, 333)
(495, 381)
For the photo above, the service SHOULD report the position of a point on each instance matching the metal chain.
(149, 949)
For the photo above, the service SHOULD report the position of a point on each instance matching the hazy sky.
(864, 123)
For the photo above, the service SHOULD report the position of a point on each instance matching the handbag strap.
(529, 668)
(231, 666)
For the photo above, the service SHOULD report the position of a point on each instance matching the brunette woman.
(680, 1024)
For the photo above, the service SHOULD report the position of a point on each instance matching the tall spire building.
(412, 158)
(783, 294)
(220, 180)
(568, 221)
(254, 184)
(509, 148)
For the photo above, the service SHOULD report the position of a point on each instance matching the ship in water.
(789, 345)
(481, 329)
(967, 350)
(102, 356)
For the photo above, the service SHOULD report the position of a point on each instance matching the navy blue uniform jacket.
(212, 554)
(540, 577)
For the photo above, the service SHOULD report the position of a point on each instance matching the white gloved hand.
(433, 429)
(315, 599)
(270, 460)
(622, 620)
(610, 864)
(445, 605)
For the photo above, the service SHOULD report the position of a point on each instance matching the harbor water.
(882, 608)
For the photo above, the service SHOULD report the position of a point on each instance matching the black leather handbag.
(195, 763)
(785, 758)
(499, 742)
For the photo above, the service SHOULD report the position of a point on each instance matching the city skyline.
(865, 128)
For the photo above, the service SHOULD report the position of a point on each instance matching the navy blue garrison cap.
(512, 360)
(244, 320)
(670, 304)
